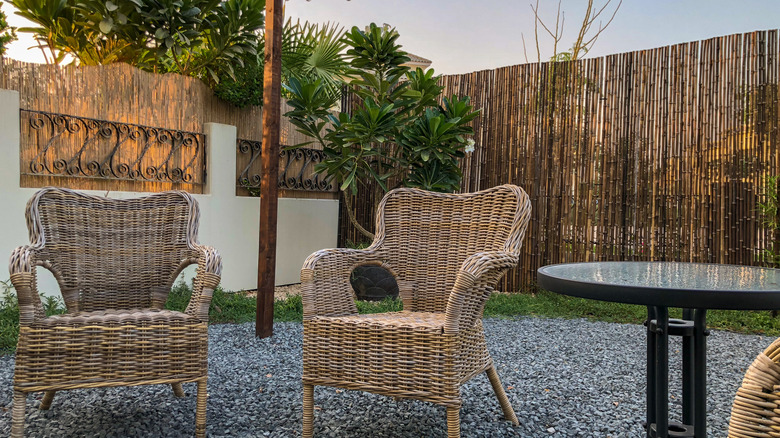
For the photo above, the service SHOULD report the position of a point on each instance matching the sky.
(462, 36)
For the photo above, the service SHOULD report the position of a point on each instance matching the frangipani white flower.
(469, 146)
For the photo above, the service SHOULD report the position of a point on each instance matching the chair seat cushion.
(394, 353)
(114, 317)
(418, 321)
(110, 348)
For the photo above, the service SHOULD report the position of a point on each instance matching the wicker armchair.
(446, 252)
(115, 262)
(757, 403)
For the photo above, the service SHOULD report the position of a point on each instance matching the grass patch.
(226, 307)
(552, 305)
(386, 305)
(239, 307)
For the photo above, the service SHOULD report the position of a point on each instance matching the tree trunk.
(353, 218)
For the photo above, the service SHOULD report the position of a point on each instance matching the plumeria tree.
(770, 218)
(396, 132)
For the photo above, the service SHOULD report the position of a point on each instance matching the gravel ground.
(565, 378)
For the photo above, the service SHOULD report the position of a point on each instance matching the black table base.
(693, 330)
(661, 286)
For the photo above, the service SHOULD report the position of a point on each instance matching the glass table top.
(670, 284)
(670, 275)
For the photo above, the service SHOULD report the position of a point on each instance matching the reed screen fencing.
(657, 154)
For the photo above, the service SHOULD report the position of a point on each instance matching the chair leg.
(200, 409)
(48, 396)
(308, 411)
(17, 415)
(495, 382)
(453, 422)
(178, 391)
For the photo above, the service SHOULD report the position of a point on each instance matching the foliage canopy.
(218, 41)
(397, 131)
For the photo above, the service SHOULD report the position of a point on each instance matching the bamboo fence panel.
(122, 93)
(657, 154)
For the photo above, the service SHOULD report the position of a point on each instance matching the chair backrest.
(426, 236)
(112, 253)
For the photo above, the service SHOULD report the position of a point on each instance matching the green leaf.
(434, 124)
(191, 12)
(106, 25)
(348, 181)
(379, 179)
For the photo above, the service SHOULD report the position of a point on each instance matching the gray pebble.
(568, 378)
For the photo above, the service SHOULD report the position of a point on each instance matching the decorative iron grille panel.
(71, 146)
(296, 168)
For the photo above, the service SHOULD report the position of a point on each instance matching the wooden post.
(266, 262)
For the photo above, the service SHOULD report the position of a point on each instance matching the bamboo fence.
(657, 154)
(125, 94)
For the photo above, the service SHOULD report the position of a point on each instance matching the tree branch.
(536, 31)
(525, 54)
(583, 42)
(353, 218)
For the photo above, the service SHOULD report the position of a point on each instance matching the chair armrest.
(25, 282)
(407, 291)
(473, 285)
(207, 277)
(325, 286)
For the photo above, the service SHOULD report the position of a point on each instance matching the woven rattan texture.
(756, 408)
(115, 262)
(447, 252)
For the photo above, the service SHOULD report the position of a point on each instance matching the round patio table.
(694, 287)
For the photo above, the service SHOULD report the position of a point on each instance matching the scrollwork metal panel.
(296, 168)
(71, 146)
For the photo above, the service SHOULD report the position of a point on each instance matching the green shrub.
(9, 314)
(225, 306)
(290, 309)
(9, 318)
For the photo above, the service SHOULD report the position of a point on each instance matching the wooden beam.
(266, 262)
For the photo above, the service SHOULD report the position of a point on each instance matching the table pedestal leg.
(658, 372)
(692, 329)
(651, 365)
(700, 373)
(688, 372)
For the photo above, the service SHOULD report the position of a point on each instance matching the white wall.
(228, 222)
